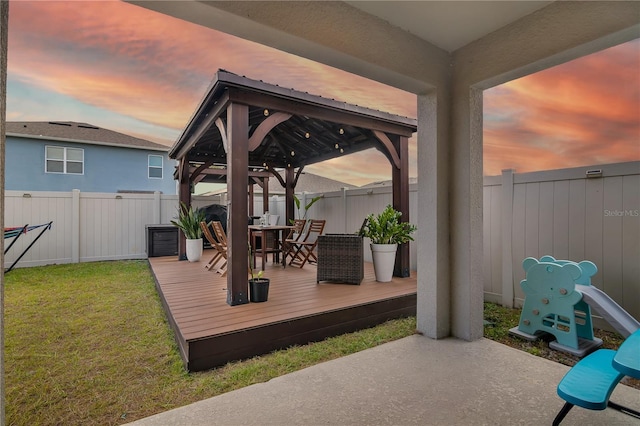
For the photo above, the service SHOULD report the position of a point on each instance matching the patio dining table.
(263, 231)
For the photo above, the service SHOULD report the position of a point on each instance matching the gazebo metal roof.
(308, 128)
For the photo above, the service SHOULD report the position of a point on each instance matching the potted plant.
(258, 286)
(385, 232)
(189, 222)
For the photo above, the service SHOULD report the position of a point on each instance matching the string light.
(341, 131)
(307, 135)
(266, 112)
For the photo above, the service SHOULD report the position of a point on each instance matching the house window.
(60, 159)
(155, 167)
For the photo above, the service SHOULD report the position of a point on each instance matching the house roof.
(70, 131)
(308, 182)
(311, 183)
(292, 128)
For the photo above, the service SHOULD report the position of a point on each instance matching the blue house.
(61, 156)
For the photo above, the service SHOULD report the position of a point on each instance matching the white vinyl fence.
(100, 226)
(562, 213)
(566, 214)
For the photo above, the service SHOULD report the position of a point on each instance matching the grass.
(89, 344)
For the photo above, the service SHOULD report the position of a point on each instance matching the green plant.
(189, 221)
(386, 228)
(256, 275)
(307, 207)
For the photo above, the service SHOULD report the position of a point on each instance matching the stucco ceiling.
(449, 24)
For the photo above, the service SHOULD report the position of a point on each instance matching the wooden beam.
(400, 176)
(298, 173)
(196, 174)
(265, 127)
(237, 179)
(224, 172)
(211, 116)
(223, 133)
(320, 112)
(391, 149)
(277, 176)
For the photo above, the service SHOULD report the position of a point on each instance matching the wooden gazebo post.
(288, 194)
(396, 149)
(400, 179)
(238, 176)
(184, 196)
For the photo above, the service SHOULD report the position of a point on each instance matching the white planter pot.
(384, 259)
(194, 250)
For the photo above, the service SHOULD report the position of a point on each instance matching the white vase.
(194, 250)
(384, 259)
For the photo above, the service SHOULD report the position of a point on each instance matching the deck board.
(211, 333)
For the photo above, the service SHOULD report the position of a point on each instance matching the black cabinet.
(162, 240)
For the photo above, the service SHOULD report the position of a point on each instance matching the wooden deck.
(210, 333)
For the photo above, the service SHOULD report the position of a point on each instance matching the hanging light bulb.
(266, 112)
(337, 146)
(307, 135)
(341, 131)
(293, 153)
(341, 150)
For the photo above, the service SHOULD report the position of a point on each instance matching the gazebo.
(245, 130)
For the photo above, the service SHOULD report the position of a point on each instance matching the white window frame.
(161, 167)
(65, 160)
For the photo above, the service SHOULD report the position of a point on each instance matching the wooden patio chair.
(220, 252)
(293, 236)
(304, 250)
(221, 245)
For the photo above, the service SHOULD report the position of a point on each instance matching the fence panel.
(569, 216)
(36, 208)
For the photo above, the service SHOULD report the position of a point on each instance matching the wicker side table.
(340, 258)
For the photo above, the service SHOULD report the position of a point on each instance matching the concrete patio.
(412, 381)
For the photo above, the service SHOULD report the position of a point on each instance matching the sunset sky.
(135, 71)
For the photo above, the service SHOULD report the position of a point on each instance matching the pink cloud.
(155, 68)
(580, 113)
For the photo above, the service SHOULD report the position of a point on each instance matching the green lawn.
(89, 344)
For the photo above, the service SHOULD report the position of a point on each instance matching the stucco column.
(434, 291)
(466, 212)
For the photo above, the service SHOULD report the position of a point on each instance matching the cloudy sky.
(132, 70)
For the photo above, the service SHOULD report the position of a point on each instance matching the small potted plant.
(386, 231)
(258, 286)
(189, 222)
